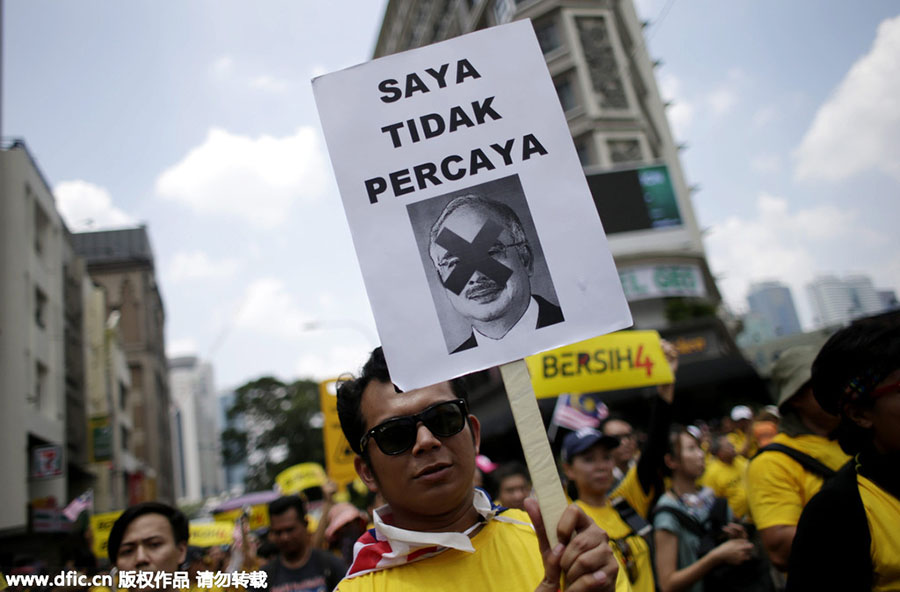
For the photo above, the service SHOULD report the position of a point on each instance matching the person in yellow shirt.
(438, 532)
(742, 434)
(786, 474)
(725, 476)
(856, 375)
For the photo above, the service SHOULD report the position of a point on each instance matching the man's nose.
(141, 558)
(425, 440)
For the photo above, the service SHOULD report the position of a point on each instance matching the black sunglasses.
(397, 435)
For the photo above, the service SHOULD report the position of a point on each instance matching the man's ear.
(475, 426)
(366, 473)
(527, 257)
(860, 416)
(182, 552)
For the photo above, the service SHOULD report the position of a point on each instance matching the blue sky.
(197, 118)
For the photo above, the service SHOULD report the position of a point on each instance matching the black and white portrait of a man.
(484, 259)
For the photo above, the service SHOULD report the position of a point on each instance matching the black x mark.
(474, 256)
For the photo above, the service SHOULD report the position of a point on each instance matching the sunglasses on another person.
(398, 434)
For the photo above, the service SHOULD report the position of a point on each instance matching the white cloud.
(268, 84)
(722, 100)
(196, 265)
(252, 179)
(764, 116)
(86, 206)
(226, 70)
(858, 128)
(268, 308)
(681, 112)
(185, 346)
(222, 67)
(333, 362)
(725, 96)
(775, 242)
(766, 163)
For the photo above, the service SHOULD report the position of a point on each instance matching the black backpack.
(751, 576)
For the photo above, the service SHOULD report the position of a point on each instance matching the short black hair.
(849, 367)
(350, 391)
(286, 502)
(508, 470)
(176, 518)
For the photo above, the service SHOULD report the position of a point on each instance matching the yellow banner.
(259, 516)
(209, 534)
(622, 360)
(338, 454)
(101, 524)
(299, 477)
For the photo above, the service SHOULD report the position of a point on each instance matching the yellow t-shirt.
(739, 440)
(506, 559)
(778, 487)
(883, 514)
(609, 520)
(728, 481)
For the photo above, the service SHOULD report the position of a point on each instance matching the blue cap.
(579, 441)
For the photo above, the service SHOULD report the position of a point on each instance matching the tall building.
(34, 332)
(121, 262)
(773, 301)
(604, 79)
(198, 458)
(837, 302)
(110, 405)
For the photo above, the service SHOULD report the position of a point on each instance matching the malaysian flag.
(79, 505)
(582, 412)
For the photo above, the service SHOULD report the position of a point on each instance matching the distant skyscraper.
(773, 301)
(836, 301)
(198, 459)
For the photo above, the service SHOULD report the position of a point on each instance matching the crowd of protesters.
(800, 495)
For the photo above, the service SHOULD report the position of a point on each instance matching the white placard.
(470, 131)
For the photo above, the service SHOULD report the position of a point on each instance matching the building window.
(40, 384)
(547, 34)
(624, 151)
(123, 396)
(40, 308)
(584, 148)
(566, 94)
(125, 437)
(606, 78)
(41, 223)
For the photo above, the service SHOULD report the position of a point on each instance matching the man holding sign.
(417, 449)
(484, 259)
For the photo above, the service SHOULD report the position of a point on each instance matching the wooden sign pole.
(536, 446)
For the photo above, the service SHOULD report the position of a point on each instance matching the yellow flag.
(209, 534)
(101, 524)
(622, 360)
(338, 454)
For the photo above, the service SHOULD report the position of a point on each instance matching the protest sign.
(338, 454)
(258, 516)
(627, 359)
(299, 477)
(209, 534)
(101, 525)
(476, 232)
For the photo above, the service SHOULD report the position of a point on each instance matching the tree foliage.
(273, 428)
